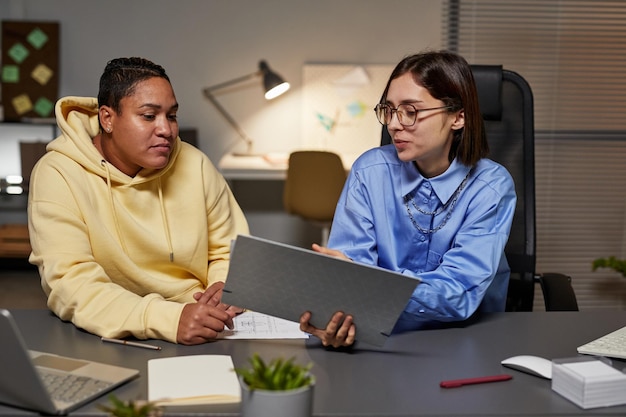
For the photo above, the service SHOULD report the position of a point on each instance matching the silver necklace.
(449, 206)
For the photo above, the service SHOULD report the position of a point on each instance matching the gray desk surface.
(402, 379)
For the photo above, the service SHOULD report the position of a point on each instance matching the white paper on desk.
(194, 379)
(253, 325)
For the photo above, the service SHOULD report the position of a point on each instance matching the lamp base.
(247, 154)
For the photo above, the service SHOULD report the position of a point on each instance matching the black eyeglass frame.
(380, 106)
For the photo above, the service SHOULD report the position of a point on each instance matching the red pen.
(468, 381)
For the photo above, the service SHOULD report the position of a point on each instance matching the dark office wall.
(205, 42)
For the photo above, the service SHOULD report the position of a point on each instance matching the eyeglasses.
(407, 113)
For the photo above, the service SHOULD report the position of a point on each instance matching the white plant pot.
(263, 403)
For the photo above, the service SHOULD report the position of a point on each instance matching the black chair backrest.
(558, 294)
(506, 103)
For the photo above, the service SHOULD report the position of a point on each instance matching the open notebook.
(193, 380)
(49, 383)
(285, 281)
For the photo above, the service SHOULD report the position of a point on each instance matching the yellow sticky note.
(42, 74)
(22, 104)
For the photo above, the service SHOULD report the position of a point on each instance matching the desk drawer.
(14, 241)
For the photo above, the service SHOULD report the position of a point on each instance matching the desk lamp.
(273, 84)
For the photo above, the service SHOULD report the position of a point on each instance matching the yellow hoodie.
(120, 255)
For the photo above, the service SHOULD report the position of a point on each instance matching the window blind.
(572, 53)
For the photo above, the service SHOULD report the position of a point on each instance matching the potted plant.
(618, 265)
(280, 388)
(119, 408)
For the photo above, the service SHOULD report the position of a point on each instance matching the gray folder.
(285, 281)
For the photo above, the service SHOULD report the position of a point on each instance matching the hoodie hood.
(77, 118)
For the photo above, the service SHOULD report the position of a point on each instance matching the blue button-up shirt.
(453, 240)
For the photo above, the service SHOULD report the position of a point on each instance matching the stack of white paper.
(589, 383)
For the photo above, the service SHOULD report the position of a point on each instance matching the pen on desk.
(479, 380)
(129, 343)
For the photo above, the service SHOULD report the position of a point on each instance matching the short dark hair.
(120, 77)
(448, 77)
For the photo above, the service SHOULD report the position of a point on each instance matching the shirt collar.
(443, 185)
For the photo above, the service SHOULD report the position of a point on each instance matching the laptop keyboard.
(612, 345)
(71, 388)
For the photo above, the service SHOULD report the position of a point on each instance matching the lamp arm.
(228, 118)
(231, 82)
(208, 94)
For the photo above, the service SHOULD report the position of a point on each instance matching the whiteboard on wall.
(338, 106)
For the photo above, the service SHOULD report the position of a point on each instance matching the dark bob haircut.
(448, 77)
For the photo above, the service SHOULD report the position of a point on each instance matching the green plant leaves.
(618, 265)
(120, 408)
(277, 375)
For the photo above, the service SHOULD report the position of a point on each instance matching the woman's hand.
(328, 251)
(339, 332)
(213, 296)
(201, 322)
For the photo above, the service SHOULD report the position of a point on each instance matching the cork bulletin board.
(30, 69)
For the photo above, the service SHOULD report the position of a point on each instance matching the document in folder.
(285, 281)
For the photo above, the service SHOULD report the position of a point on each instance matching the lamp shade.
(273, 84)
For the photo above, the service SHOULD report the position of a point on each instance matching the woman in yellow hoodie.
(131, 227)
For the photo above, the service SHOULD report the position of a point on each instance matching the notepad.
(588, 383)
(193, 380)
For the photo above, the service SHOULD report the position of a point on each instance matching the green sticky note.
(37, 38)
(10, 74)
(43, 107)
(18, 52)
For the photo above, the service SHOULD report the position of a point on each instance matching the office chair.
(506, 103)
(558, 294)
(312, 188)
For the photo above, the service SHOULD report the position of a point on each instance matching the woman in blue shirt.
(430, 205)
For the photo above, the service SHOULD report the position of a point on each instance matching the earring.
(108, 130)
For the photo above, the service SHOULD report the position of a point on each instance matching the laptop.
(285, 281)
(26, 375)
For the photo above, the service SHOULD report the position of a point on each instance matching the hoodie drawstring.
(165, 223)
(118, 230)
